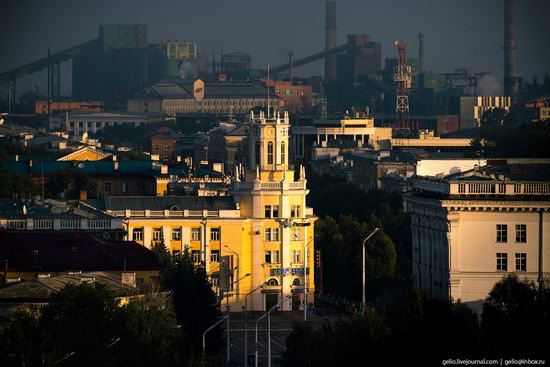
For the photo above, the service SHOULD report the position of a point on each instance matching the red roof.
(55, 251)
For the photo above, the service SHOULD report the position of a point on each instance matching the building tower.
(421, 52)
(402, 78)
(330, 40)
(280, 223)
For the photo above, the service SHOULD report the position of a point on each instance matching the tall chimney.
(421, 52)
(330, 40)
(511, 82)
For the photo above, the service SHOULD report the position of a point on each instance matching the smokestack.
(421, 52)
(330, 40)
(511, 82)
(290, 55)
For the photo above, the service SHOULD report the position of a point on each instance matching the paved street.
(281, 327)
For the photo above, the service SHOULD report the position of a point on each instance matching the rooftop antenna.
(267, 83)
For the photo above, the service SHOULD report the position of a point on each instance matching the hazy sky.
(458, 33)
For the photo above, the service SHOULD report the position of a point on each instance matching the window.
(275, 256)
(271, 211)
(296, 256)
(137, 235)
(125, 187)
(270, 153)
(283, 152)
(214, 234)
(257, 152)
(502, 233)
(461, 188)
(195, 234)
(296, 234)
(521, 262)
(502, 261)
(295, 211)
(157, 234)
(176, 234)
(107, 187)
(272, 282)
(215, 255)
(272, 257)
(196, 256)
(521, 233)
(296, 281)
(271, 234)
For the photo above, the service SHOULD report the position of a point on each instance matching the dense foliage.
(420, 331)
(85, 325)
(347, 216)
(501, 136)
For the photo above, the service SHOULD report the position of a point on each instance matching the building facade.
(472, 108)
(75, 124)
(212, 98)
(471, 228)
(358, 130)
(257, 240)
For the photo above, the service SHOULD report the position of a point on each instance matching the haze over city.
(458, 33)
(301, 183)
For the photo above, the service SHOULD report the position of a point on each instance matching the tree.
(166, 261)
(21, 338)
(501, 136)
(341, 244)
(80, 319)
(149, 333)
(345, 343)
(194, 303)
(516, 307)
(56, 184)
(85, 325)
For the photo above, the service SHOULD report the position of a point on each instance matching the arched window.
(272, 281)
(270, 153)
(296, 281)
(257, 153)
(283, 152)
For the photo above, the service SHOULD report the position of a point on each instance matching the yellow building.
(258, 235)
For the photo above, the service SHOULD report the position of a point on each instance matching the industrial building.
(472, 108)
(178, 96)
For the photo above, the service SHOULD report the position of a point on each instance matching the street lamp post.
(228, 341)
(276, 307)
(246, 322)
(222, 319)
(363, 299)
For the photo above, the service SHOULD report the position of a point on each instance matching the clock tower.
(281, 247)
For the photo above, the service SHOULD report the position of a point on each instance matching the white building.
(75, 124)
(471, 228)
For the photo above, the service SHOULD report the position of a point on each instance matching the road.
(281, 327)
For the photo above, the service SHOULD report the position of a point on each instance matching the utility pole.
(363, 298)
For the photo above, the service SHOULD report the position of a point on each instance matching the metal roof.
(168, 202)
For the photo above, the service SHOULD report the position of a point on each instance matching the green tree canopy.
(519, 308)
